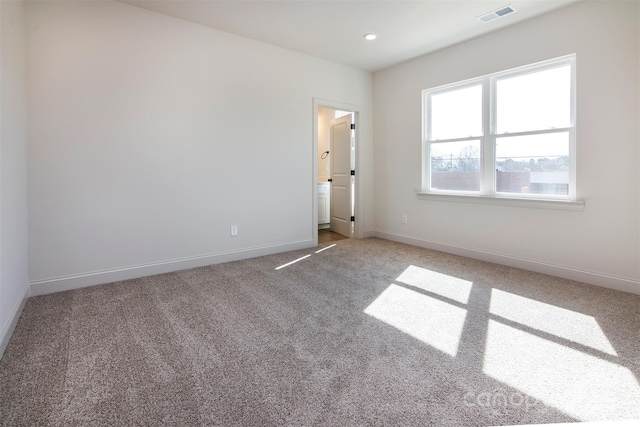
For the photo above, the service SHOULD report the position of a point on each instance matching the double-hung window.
(508, 134)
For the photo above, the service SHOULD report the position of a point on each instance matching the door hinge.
(353, 173)
(353, 218)
(353, 125)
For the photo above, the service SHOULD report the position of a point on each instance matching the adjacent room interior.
(247, 213)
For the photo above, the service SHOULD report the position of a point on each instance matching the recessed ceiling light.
(370, 36)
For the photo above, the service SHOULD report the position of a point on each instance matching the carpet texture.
(365, 332)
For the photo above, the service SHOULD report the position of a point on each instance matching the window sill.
(565, 205)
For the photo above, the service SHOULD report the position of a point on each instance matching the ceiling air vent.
(496, 14)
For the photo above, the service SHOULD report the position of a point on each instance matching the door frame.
(359, 121)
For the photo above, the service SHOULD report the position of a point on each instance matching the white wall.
(13, 169)
(599, 245)
(150, 136)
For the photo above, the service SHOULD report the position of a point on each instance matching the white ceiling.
(334, 30)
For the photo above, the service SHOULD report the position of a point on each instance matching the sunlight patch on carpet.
(563, 323)
(324, 249)
(425, 318)
(293, 262)
(437, 283)
(579, 384)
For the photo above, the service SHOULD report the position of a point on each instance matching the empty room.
(320, 213)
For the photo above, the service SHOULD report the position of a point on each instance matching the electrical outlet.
(404, 219)
(234, 230)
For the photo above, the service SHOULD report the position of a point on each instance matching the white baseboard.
(48, 286)
(14, 316)
(589, 277)
(368, 233)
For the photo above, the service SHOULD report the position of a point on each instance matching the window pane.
(534, 101)
(457, 114)
(455, 166)
(535, 164)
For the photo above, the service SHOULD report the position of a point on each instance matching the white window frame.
(489, 136)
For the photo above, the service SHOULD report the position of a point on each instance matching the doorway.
(328, 236)
(336, 145)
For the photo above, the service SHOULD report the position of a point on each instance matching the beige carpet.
(366, 332)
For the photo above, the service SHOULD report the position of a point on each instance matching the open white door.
(340, 147)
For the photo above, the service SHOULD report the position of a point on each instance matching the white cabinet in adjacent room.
(324, 204)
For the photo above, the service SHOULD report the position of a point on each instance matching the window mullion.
(487, 185)
(426, 146)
